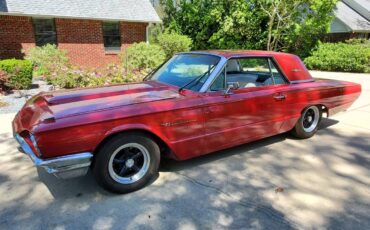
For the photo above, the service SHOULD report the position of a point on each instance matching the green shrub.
(143, 57)
(155, 30)
(19, 73)
(46, 58)
(174, 43)
(72, 77)
(364, 42)
(350, 57)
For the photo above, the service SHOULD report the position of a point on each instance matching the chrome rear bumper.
(64, 167)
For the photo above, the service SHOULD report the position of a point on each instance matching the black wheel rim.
(309, 118)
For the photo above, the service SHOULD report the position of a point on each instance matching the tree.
(280, 16)
(296, 25)
(281, 25)
(216, 24)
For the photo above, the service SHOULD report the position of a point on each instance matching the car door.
(253, 111)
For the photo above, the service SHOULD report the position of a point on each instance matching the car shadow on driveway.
(169, 165)
(86, 185)
(83, 186)
(275, 183)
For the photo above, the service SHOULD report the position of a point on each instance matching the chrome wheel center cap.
(130, 163)
(309, 119)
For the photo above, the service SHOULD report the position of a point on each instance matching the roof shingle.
(123, 10)
(351, 18)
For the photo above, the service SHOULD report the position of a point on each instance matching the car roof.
(290, 64)
(239, 53)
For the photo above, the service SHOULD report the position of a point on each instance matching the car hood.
(68, 103)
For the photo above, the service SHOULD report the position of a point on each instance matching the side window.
(249, 72)
(219, 83)
(278, 77)
(260, 65)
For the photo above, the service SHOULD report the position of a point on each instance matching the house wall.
(337, 26)
(16, 33)
(341, 37)
(83, 39)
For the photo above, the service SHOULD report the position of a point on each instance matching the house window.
(111, 36)
(44, 31)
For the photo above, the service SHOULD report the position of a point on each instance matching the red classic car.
(195, 103)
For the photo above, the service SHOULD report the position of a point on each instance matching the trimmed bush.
(174, 43)
(46, 58)
(19, 73)
(73, 77)
(143, 57)
(353, 56)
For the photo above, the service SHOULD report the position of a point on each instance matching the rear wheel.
(308, 123)
(126, 163)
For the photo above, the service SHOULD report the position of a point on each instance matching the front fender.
(142, 128)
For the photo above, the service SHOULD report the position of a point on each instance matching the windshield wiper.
(197, 79)
(150, 74)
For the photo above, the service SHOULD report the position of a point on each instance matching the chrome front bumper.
(64, 167)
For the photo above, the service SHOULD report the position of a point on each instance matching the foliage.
(46, 58)
(155, 30)
(19, 73)
(352, 57)
(296, 25)
(73, 77)
(363, 42)
(174, 43)
(54, 65)
(216, 24)
(143, 57)
(4, 79)
(282, 25)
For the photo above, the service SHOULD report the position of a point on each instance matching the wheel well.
(165, 150)
(323, 108)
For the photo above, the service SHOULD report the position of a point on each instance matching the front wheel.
(308, 123)
(126, 163)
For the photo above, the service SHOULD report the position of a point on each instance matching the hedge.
(174, 43)
(143, 57)
(19, 72)
(345, 57)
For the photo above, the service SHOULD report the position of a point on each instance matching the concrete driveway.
(275, 183)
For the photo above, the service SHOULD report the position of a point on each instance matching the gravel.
(15, 101)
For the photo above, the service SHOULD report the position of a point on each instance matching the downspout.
(147, 32)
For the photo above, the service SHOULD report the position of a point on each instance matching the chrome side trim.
(64, 167)
(302, 81)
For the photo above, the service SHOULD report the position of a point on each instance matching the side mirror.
(231, 86)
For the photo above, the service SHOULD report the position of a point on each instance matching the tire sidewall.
(299, 129)
(102, 158)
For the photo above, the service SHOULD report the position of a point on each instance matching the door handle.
(279, 97)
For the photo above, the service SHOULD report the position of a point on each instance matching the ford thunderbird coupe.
(194, 104)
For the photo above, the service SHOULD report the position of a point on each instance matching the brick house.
(92, 32)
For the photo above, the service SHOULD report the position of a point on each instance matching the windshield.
(184, 68)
